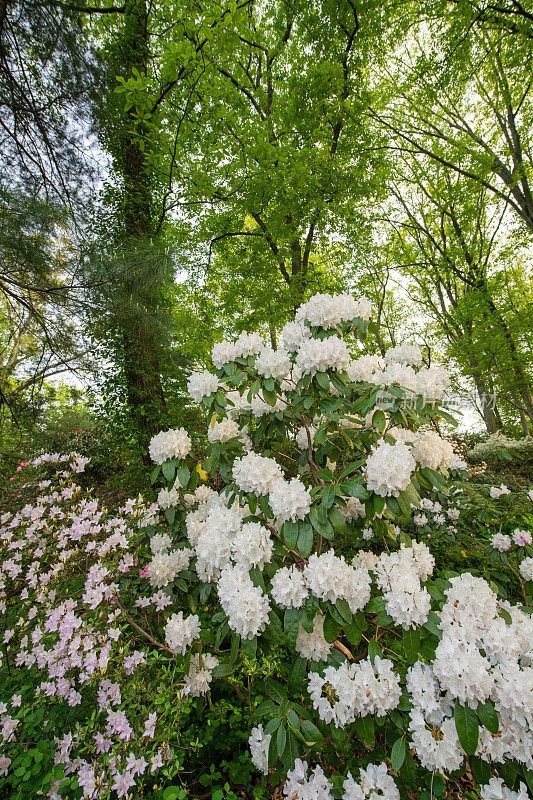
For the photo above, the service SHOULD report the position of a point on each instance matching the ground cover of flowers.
(278, 612)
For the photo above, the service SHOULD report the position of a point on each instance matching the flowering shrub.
(280, 569)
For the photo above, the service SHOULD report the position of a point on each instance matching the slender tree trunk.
(141, 361)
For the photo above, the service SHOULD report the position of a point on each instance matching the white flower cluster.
(259, 742)
(247, 344)
(245, 605)
(404, 354)
(374, 783)
(313, 646)
(273, 363)
(300, 787)
(167, 498)
(289, 500)
(526, 568)
(330, 578)
(389, 468)
(354, 509)
(293, 334)
(364, 367)
(480, 657)
(319, 355)
(431, 450)
(398, 576)
(328, 311)
(223, 431)
(202, 384)
(252, 546)
(354, 690)
(495, 789)
(288, 588)
(255, 473)
(169, 444)
(165, 566)
(199, 676)
(180, 632)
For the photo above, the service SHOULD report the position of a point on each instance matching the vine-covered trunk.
(145, 395)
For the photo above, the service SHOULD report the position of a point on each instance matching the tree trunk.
(141, 360)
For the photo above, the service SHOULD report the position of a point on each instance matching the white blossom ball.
(259, 742)
(289, 500)
(526, 569)
(223, 431)
(252, 546)
(389, 468)
(432, 451)
(223, 352)
(273, 363)
(181, 632)
(202, 384)
(313, 646)
(293, 334)
(169, 444)
(288, 588)
(374, 782)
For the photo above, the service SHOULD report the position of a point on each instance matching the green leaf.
(480, 769)
(488, 717)
(291, 624)
(281, 739)
(408, 772)
(311, 734)
(411, 643)
(297, 674)
(328, 496)
(322, 378)
(374, 650)
(155, 474)
(353, 633)
(305, 539)
(364, 727)
(221, 670)
(337, 519)
(331, 629)
(184, 474)
(170, 515)
(171, 793)
(467, 727)
(249, 647)
(344, 610)
(275, 690)
(290, 533)
(169, 470)
(398, 753)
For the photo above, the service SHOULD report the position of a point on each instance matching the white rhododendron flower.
(405, 354)
(526, 569)
(202, 384)
(329, 577)
(293, 334)
(169, 444)
(223, 431)
(374, 782)
(313, 646)
(245, 605)
(288, 588)
(501, 542)
(255, 473)
(289, 500)
(165, 566)
(199, 677)
(299, 786)
(252, 546)
(430, 450)
(319, 355)
(181, 632)
(160, 542)
(495, 789)
(259, 742)
(273, 363)
(389, 468)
